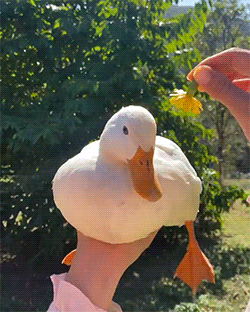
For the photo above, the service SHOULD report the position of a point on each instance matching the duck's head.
(129, 137)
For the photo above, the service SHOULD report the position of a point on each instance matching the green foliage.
(227, 26)
(31, 225)
(230, 261)
(149, 291)
(216, 199)
(187, 307)
(64, 64)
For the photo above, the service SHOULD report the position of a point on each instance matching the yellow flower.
(186, 101)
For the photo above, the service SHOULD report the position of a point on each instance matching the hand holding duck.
(129, 184)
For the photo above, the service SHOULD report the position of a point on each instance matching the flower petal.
(186, 102)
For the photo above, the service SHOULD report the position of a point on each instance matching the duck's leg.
(195, 266)
(69, 258)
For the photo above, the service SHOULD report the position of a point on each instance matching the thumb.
(221, 88)
(218, 86)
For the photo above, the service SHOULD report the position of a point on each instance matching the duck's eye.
(125, 130)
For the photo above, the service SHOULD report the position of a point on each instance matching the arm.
(97, 266)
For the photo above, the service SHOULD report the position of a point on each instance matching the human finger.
(244, 84)
(217, 85)
(234, 63)
(221, 88)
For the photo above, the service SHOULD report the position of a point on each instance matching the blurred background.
(66, 67)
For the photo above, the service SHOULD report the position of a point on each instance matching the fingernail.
(202, 75)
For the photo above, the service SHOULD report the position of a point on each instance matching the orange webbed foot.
(69, 258)
(195, 266)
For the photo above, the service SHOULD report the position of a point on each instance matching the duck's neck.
(107, 156)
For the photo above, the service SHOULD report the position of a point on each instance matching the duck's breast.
(99, 199)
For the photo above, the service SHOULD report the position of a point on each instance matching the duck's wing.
(180, 183)
(73, 185)
(173, 153)
(85, 161)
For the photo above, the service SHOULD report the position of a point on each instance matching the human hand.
(226, 77)
(97, 266)
(120, 255)
(132, 251)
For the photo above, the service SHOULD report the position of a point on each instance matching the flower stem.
(192, 88)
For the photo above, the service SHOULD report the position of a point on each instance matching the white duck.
(130, 183)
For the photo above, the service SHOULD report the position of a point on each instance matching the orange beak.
(144, 179)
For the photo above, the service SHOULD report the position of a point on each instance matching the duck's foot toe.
(69, 258)
(195, 267)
